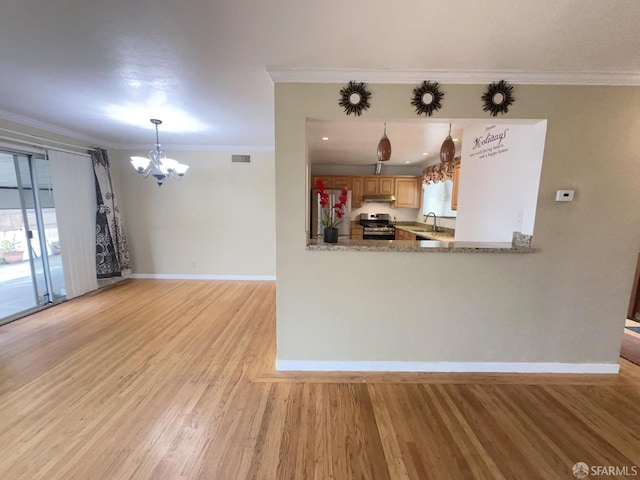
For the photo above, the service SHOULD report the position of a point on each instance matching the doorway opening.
(630, 349)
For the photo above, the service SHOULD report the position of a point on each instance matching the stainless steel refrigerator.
(344, 229)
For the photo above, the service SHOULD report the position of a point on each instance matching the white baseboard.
(449, 367)
(171, 276)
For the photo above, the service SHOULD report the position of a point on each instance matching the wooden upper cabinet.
(341, 182)
(371, 185)
(454, 191)
(328, 180)
(357, 189)
(333, 181)
(387, 186)
(376, 185)
(407, 192)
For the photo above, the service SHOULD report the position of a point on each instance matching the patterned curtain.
(439, 172)
(112, 252)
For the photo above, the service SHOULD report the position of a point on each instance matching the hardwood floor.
(174, 380)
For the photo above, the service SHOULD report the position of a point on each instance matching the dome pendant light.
(448, 149)
(384, 146)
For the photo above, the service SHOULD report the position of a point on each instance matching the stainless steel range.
(377, 226)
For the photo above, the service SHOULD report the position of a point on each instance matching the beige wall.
(219, 220)
(564, 303)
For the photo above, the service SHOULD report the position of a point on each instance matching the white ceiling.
(356, 142)
(102, 69)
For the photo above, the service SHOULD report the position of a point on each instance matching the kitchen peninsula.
(419, 246)
(420, 237)
(374, 232)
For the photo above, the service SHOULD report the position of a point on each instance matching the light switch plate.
(564, 196)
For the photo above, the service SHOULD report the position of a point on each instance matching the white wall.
(531, 170)
(499, 180)
(564, 303)
(219, 220)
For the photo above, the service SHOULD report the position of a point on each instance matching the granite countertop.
(445, 236)
(421, 246)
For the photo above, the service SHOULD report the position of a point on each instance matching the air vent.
(240, 158)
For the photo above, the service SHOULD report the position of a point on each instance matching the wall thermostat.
(564, 196)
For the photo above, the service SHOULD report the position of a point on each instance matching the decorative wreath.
(427, 97)
(498, 98)
(354, 98)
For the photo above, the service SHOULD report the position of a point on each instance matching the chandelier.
(158, 165)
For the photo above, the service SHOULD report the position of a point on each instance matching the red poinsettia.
(331, 215)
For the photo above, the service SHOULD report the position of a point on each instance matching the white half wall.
(219, 220)
(499, 178)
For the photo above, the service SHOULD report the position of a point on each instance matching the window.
(437, 199)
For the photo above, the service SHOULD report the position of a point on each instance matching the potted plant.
(331, 214)
(10, 252)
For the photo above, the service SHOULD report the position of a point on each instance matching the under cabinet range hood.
(379, 198)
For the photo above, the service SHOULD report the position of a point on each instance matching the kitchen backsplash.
(442, 222)
(401, 214)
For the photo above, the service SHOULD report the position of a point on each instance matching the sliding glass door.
(31, 275)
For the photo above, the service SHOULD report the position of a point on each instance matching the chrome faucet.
(435, 219)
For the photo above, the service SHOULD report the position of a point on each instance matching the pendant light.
(384, 146)
(448, 149)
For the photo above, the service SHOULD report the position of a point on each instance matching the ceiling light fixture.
(384, 146)
(425, 153)
(448, 149)
(158, 165)
(325, 138)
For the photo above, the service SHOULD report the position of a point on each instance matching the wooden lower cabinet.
(356, 233)
(404, 235)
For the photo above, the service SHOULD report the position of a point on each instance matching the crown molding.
(459, 77)
(48, 127)
(202, 148)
